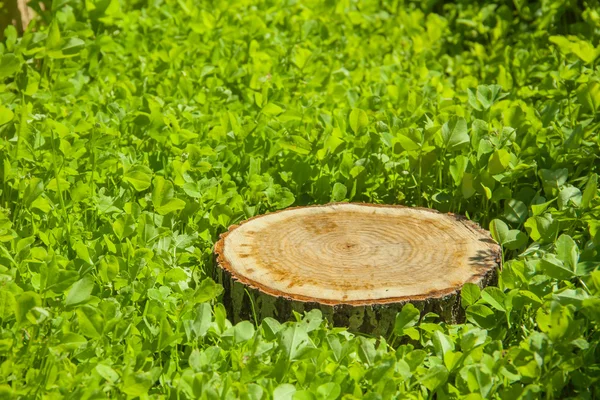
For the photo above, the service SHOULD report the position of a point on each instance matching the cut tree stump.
(357, 263)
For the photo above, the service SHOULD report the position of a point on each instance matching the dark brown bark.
(246, 303)
(16, 13)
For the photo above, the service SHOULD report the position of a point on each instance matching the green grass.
(132, 133)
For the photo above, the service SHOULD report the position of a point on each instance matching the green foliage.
(133, 133)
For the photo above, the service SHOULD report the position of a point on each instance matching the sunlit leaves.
(80, 291)
(542, 228)
(484, 97)
(405, 320)
(162, 133)
(9, 64)
(588, 95)
(469, 294)
(163, 197)
(90, 320)
(25, 303)
(6, 115)
(358, 120)
(454, 134)
(590, 191)
(139, 176)
(581, 48)
(7, 304)
(339, 192)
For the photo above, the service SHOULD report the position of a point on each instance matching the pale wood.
(353, 256)
(16, 13)
(26, 13)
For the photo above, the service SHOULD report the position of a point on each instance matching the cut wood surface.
(358, 263)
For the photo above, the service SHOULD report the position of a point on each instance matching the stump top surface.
(348, 253)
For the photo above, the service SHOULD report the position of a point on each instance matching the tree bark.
(16, 13)
(358, 263)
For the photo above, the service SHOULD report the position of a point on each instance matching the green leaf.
(295, 342)
(285, 391)
(339, 192)
(9, 64)
(175, 275)
(80, 292)
(454, 133)
(358, 120)
(91, 322)
(515, 239)
(581, 48)
(109, 268)
(554, 178)
(272, 109)
(499, 230)
(53, 40)
(297, 144)
(329, 391)
(6, 115)
(303, 395)
(270, 328)
(137, 384)
(442, 344)
(542, 228)
(569, 196)
(366, 350)
(207, 290)
(499, 162)
(435, 377)
(26, 301)
(72, 47)
(554, 268)
(588, 95)
(71, 341)
(33, 190)
(495, 297)
(567, 251)
(590, 191)
(488, 94)
(166, 335)
(201, 322)
(479, 381)
(468, 188)
(406, 142)
(482, 316)
(300, 56)
(407, 317)
(242, 332)
(163, 197)
(473, 338)
(139, 176)
(8, 304)
(484, 97)
(539, 209)
(469, 294)
(515, 211)
(107, 373)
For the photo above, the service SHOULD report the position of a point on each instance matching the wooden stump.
(358, 263)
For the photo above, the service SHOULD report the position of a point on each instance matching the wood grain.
(356, 255)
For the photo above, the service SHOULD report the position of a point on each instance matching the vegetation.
(132, 133)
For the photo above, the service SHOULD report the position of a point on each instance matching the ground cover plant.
(132, 133)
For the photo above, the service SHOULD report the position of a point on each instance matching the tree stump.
(357, 263)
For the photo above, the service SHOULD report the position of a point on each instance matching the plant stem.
(56, 177)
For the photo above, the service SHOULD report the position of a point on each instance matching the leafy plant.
(133, 133)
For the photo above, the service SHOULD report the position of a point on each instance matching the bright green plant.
(132, 133)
